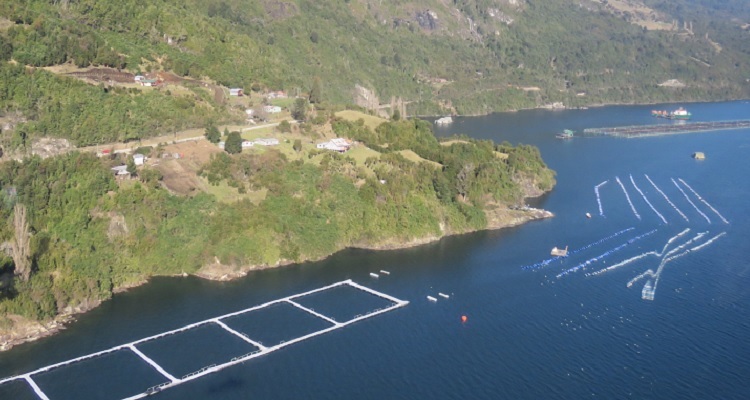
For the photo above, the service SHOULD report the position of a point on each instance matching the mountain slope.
(467, 56)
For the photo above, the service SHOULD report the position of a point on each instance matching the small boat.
(566, 134)
(559, 252)
(432, 299)
(699, 155)
(444, 121)
(374, 275)
(443, 295)
(384, 272)
(588, 215)
(679, 113)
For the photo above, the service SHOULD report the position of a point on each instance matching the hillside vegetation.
(463, 56)
(85, 235)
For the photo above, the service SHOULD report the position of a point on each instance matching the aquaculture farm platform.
(667, 129)
(172, 380)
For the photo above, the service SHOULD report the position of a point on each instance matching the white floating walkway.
(702, 200)
(627, 197)
(667, 199)
(598, 197)
(262, 350)
(691, 202)
(646, 200)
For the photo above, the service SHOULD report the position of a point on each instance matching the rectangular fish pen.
(667, 129)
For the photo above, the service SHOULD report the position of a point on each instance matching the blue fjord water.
(529, 335)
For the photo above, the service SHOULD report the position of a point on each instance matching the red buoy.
(464, 319)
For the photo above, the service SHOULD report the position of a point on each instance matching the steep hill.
(464, 56)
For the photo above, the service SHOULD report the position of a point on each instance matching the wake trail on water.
(646, 200)
(703, 200)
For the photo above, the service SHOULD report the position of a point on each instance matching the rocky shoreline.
(25, 330)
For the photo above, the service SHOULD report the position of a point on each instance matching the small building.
(272, 109)
(339, 144)
(267, 142)
(221, 145)
(139, 159)
(149, 82)
(139, 78)
(698, 155)
(120, 170)
(247, 143)
(104, 153)
(250, 112)
(236, 92)
(279, 94)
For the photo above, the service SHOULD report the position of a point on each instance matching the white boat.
(432, 299)
(444, 121)
(382, 271)
(443, 295)
(374, 275)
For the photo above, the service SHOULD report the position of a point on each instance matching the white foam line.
(690, 201)
(667, 199)
(646, 199)
(638, 257)
(686, 244)
(598, 198)
(627, 196)
(623, 263)
(669, 257)
(703, 200)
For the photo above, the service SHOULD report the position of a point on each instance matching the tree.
(396, 115)
(299, 111)
(21, 245)
(212, 133)
(284, 127)
(131, 167)
(463, 180)
(297, 146)
(233, 144)
(315, 91)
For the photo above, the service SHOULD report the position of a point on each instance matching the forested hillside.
(463, 56)
(77, 234)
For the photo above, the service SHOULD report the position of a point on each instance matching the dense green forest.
(85, 235)
(464, 56)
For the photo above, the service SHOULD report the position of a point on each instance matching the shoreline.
(25, 330)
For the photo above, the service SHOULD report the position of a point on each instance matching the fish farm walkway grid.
(667, 129)
(262, 350)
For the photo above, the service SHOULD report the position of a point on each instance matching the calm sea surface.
(529, 335)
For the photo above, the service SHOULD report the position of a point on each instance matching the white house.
(139, 78)
(247, 143)
(272, 109)
(338, 144)
(267, 142)
(221, 145)
(120, 170)
(139, 159)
